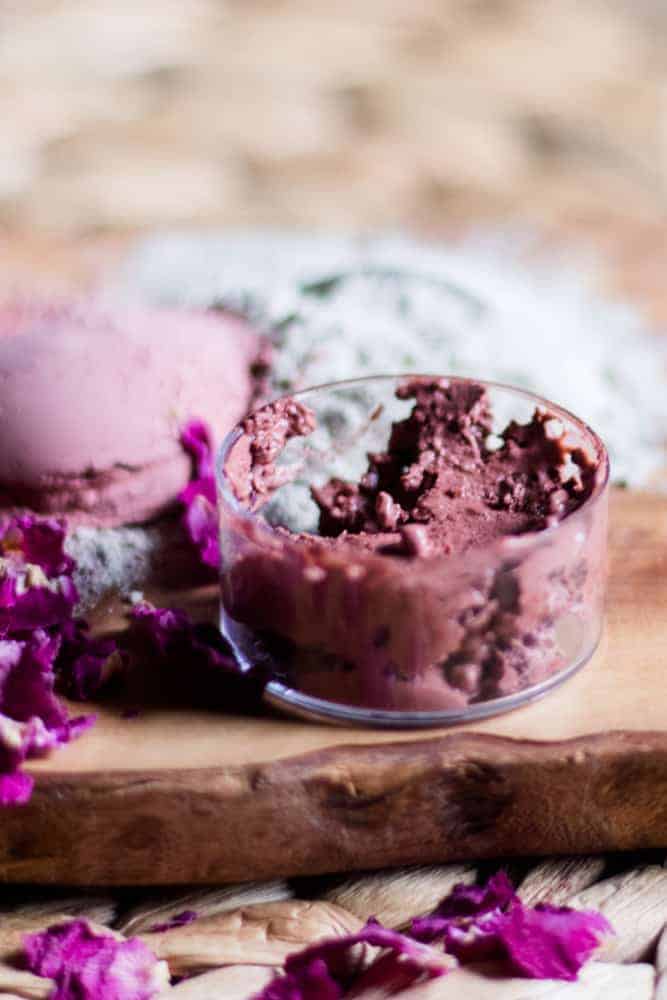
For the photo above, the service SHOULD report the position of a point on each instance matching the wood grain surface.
(184, 797)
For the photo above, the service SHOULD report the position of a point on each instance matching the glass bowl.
(394, 637)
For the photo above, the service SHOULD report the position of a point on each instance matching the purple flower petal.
(15, 789)
(37, 599)
(171, 641)
(20, 740)
(84, 665)
(201, 523)
(466, 901)
(490, 922)
(199, 496)
(86, 965)
(27, 679)
(36, 540)
(550, 942)
(73, 728)
(29, 600)
(328, 968)
(197, 440)
(178, 920)
(313, 982)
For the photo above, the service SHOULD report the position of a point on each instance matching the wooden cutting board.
(185, 797)
(192, 797)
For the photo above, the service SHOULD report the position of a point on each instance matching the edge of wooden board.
(468, 795)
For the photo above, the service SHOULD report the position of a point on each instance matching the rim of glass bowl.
(296, 703)
(237, 432)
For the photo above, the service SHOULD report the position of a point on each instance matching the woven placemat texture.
(242, 934)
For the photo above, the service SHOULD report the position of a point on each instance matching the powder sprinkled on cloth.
(486, 308)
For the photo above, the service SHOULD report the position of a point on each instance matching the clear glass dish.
(376, 638)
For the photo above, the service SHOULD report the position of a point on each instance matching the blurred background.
(118, 115)
(123, 114)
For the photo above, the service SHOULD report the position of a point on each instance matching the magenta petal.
(82, 662)
(37, 599)
(20, 740)
(86, 965)
(465, 918)
(178, 920)
(201, 523)
(25, 606)
(313, 982)
(550, 942)
(73, 728)
(169, 639)
(199, 496)
(544, 942)
(469, 900)
(15, 789)
(39, 541)
(197, 440)
(27, 679)
(331, 966)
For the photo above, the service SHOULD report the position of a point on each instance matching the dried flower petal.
(490, 922)
(197, 441)
(86, 965)
(36, 540)
(21, 740)
(168, 639)
(550, 942)
(27, 679)
(84, 665)
(29, 599)
(15, 789)
(198, 498)
(325, 970)
(38, 637)
(178, 920)
(18, 739)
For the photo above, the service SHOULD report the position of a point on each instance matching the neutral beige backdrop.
(116, 114)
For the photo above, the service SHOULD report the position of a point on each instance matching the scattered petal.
(197, 441)
(30, 600)
(86, 965)
(178, 920)
(326, 970)
(550, 942)
(27, 679)
(635, 903)
(36, 540)
(490, 922)
(168, 638)
(199, 496)
(38, 640)
(84, 665)
(15, 789)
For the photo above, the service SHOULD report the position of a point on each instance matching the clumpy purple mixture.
(439, 489)
(418, 592)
